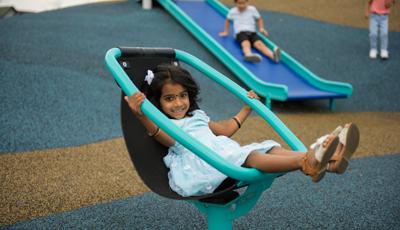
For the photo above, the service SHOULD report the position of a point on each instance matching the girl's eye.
(184, 95)
(169, 98)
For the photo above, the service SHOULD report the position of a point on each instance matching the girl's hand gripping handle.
(134, 102)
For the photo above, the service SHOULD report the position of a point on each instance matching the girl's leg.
(263, 49)
(373, 31)
(384, 33)
(273, 163)
(282, 160)
(284, 152)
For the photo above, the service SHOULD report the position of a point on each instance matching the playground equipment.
(128, 66)
(288, 80)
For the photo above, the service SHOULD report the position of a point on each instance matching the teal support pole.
(268, 102)
(332, 104)
(218, 218)
(222, 216)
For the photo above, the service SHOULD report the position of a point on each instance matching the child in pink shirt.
(378, 13)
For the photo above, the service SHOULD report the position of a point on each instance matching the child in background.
(244, 19)
(378, 13)
(174, 92)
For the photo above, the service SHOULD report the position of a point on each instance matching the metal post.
(332, 104)
(268, 102)
(219, 218)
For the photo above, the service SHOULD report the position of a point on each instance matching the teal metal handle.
(205, 153)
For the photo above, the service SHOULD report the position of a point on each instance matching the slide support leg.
(268, 102)
(332, 104)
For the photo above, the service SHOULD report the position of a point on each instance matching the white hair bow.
(149, 77)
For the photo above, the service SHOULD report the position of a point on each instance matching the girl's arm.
(226, 28)
(260, 24)
(389, 3)
(134, 102)
(367, 8)
(229, 127)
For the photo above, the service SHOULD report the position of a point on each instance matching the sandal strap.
(308, 169)
(343, 135)
(321, 140)
(337, 131)
(332, 166)
(335, 157)
(318, 142)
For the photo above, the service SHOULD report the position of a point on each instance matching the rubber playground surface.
(63, 162)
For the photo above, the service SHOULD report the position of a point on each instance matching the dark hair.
(167, 73)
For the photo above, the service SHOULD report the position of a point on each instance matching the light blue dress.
(191, 176)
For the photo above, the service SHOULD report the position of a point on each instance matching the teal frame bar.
(218, 216)
(205, 153)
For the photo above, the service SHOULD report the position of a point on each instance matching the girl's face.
(174, 100)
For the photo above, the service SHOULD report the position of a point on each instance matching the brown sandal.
(349, 138)
(315, 162)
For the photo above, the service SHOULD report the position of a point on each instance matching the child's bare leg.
(246, 47)
(273, 163)
(263, 49)
(284, 152)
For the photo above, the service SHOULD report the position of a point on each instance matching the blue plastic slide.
(288, 80)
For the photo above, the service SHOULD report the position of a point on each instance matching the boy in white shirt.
(245, 18)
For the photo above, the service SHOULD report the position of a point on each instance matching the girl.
(175, 93)
(377, 11)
